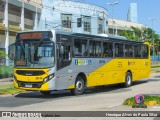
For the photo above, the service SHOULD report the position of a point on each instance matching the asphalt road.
(106, 98)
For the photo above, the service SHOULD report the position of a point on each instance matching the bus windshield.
(34, 54)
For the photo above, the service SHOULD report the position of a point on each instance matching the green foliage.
(2, 54)
(6, 71)
(140, 34)
(157, 66)
(9, 89)
(131, 101)
(143, 34)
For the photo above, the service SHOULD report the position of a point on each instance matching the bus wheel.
(128, 79)
(46, 92)
(79, 86)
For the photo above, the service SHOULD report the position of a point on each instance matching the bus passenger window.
(144, 51)
(107, 49)
(80, 47)
(95, 49)
(137, 51)
(64, 53)
(129, 50)
(118, 50)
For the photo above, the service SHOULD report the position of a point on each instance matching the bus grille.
(29, 73)
(31, 85)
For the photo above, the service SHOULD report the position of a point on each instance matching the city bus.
(53, 60)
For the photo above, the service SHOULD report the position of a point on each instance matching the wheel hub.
(128, 80)
(79, 85)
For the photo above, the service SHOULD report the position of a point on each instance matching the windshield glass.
(34, 54)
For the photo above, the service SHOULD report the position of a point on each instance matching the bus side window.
(64, 53)
(107, 49)
(144, 51)
(119, 50)
(129, 50)
(137, 51)
(80, 47)
(95, 49)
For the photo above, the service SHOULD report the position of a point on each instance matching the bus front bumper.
(31, 86)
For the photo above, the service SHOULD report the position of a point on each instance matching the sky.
(145, 9)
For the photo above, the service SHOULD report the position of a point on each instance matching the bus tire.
(45, 92)
(128, 79)
(79, 86)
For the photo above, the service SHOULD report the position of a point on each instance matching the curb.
(155, 71)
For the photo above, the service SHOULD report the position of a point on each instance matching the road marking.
(114, 105)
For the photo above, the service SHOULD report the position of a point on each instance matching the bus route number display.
(36, 35)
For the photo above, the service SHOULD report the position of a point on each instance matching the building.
(116, 26)
(132, 13)
(65, 15)
(73, 16)
(17, 15)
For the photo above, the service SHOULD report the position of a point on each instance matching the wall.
(52, 18)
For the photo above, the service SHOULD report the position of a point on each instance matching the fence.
(155, 58)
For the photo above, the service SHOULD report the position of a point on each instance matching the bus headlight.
(48, 78)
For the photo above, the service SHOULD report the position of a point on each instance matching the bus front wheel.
(79, 86)
(128, 79)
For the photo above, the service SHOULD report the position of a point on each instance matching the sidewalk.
(6, 81)
(155, 70)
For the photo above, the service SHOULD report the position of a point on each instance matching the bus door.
(64, 68)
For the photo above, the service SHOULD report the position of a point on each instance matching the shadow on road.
(157, 76)
(28, 98)
(118, 88)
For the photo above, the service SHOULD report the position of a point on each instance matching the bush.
(6, 71)
(147, 100)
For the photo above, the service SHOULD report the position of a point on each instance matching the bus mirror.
(61, 49)
(11, 51)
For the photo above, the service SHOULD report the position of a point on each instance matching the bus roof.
(111, 38)
(108, 38)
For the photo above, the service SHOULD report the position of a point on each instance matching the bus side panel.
(102, 71)
(140, 68)
(109, 73)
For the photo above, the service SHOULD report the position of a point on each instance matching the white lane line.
(114, 105)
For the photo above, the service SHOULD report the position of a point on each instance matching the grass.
(148, 100)
(9, 89)
(158, 66)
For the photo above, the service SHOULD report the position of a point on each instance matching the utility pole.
(112, 4)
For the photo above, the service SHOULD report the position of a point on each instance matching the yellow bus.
(54, 60)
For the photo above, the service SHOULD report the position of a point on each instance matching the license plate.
(28, 86)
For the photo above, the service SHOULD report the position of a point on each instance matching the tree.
(143, 34)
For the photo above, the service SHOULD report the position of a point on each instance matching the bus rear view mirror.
(11, 51)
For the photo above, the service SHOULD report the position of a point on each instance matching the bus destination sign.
(35, 35)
